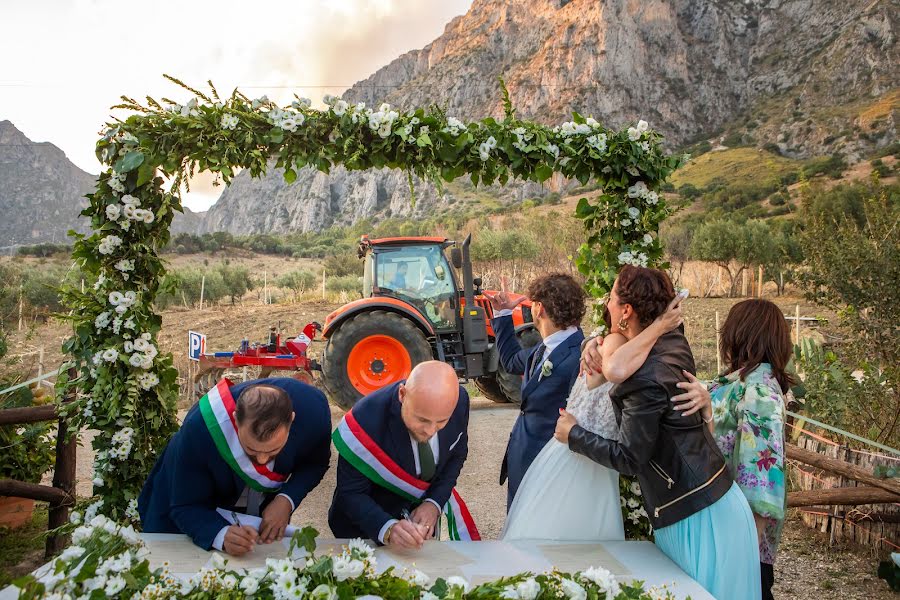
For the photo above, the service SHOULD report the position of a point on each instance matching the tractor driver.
(399, 280)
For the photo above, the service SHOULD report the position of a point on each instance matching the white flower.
(249, 585)
(91, 512)
(324, 592)
(301, 103)
(217, 561)
(633, 134)
(71, 552)
(645, 146)
(369, 597)
(419, 578)
(632, 171)
(635, 488)
(110, 355)
(426, 595)
(651, 197)
(546, 369)
(229, 582)
(598, 142)
(81, 534)
(360, 548)
(148, 217)
(638, 190)
(582, 128)
(552, 149)
(129, 200)
(491, 142)
(340, 107)
(604, 579)
(457, 581)
(572, 590)
(115, 585)
(289, 124)
(632, 503)
(131, 511)
(592, 122)
(75, 517)
(229, 121)
(384, 130)
(648, 239)
(633, 212)
(148, 381)
(125, 265)
(347, 568)
(112, 212)
(484, 151)
(625, 222)
(525, 590)
(642, 126)
(102, 320)
(98, 482)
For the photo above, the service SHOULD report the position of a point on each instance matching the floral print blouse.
(749, 429)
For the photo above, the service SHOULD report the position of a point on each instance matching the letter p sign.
(196, 345)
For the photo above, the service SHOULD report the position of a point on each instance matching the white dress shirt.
(435, 449)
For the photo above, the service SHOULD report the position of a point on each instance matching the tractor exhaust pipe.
(468, 286)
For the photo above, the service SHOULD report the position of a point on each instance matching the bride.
(566, 496)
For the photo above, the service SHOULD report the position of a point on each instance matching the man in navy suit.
(275, 453)
(549, 369)
(421, 426)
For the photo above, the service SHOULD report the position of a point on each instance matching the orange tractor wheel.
(371, 350)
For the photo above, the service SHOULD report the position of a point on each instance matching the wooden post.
(842, 468)
(760, 285)
(21, 300)
(718, 342)
(63, 479)
(323, 284)
(265, 287)
(40, 364)
(202, 290)
(797, 324)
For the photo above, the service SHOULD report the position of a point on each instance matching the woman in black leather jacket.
(701, 520)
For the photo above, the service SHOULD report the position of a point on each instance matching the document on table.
(251, 521)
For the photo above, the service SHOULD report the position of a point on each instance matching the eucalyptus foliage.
(129, 390)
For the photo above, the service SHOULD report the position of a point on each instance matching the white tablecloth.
(476, 561)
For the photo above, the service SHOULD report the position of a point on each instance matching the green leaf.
(131, 161)
(145, 173)
(543, 172)
(290, 176)
(276, 135)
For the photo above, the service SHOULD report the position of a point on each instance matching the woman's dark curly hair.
(562, 298)
(648, 291)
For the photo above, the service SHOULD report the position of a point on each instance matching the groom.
(549, 369)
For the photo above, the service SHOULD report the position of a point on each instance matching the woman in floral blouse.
(748, 416)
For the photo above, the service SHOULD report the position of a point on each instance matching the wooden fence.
(875, 524)
(61, 495)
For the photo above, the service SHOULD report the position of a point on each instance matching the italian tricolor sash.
(217, 408)
(361, 451)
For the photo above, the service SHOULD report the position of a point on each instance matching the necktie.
(536, 361)
(426, 461)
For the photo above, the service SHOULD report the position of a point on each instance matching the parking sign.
(196, 345)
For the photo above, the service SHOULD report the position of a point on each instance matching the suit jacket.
(191, 479)
(360, 508)
(541, 397)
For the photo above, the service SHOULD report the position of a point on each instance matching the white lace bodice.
(593, 409)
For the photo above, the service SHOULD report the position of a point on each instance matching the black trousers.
(767, 576)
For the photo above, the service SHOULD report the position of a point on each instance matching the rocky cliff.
(41, 191)
(808, 76)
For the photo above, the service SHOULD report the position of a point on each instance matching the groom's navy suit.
(359, 507)
(542, 397)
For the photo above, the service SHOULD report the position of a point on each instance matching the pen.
(405, 515)
(236, 520)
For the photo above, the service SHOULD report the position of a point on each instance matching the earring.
(623, 324)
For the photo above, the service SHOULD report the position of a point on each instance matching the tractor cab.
(416, 273)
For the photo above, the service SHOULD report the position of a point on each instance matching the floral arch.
(128, 390)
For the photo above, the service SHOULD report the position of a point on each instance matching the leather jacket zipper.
(685, 495)
(661, 473)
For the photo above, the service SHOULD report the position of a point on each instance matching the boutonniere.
(546, 369)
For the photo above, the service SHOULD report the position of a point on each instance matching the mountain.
(41, 191)
(798, 77)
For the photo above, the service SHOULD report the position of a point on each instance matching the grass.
(735, 166)
(22, 549)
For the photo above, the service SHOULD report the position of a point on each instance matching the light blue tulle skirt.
(717, 547)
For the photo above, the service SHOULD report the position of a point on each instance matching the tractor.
(413, 310)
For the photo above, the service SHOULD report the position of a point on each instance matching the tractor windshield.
(421, 276)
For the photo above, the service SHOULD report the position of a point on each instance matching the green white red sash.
(361, 451)
(217, 408)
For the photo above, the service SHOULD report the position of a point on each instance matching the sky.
(65, 62)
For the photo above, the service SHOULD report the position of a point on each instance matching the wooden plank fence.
(875, 525)
(61, 495)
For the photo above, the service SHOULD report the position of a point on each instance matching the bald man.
(401, 451)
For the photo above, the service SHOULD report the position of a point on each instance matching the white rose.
(634, 212)
(229, 582)
(217, 561)
(648, 239)
(75, 517)
(112, 212)
(642, 126)
(633, 134)
(249, 585)
(110, 355)
(71, 552)
(528, 589)
(115, 585)
(324, 592)
(572, 590)
(604, 579)
(130, 200)
(340, 107)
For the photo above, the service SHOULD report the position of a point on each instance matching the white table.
(476, 561)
